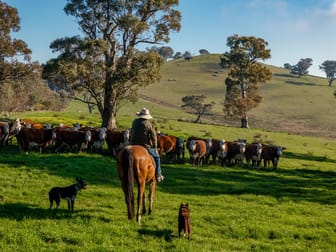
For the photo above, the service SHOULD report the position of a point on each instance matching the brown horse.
(134, 163)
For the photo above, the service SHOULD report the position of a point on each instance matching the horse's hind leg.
(151, 196)
(144, 203)
(141, 191)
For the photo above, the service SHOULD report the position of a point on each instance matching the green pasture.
(232, 208)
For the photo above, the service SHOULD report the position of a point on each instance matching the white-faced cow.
(235, 154)
(197, 151)
(253, 153)
(271, 153)
(222, 152)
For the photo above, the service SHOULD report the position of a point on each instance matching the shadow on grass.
(292, 155)
(19, 211)
(293, 184)
(93, 168)
(297, 185)
(167, 234)
(301, 83)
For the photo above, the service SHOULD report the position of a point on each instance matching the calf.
(197, 150)
(253, 153)
(42, 137)
(271, 153)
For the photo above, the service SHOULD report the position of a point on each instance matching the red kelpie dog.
(69, 193)
(184, 221)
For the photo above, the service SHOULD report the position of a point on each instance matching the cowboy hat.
(144, 114)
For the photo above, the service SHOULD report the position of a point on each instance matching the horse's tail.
(128, 159)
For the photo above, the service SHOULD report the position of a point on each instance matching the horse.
(134, 163)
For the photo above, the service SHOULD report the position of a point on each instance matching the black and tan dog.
(184, 221)
(69, 193)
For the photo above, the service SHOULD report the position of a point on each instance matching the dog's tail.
(127, 166)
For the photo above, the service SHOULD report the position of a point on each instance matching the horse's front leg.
(151, 195)
(141, 191)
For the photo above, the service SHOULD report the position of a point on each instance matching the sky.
(293, 29)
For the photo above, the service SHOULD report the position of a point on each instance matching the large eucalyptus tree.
(106, 65)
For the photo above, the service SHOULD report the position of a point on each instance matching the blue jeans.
(156, 157)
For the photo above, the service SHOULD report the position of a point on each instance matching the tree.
(187, 55)
(287, 66)
(21, 86)
(203, 51)
(195, 103)
(178, 55)
(301, 68)
(329, 67)
(106, 63)
(245, 73)
(166, 52)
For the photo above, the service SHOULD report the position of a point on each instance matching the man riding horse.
(143, 133)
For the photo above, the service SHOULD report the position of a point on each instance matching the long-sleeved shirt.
(143, 133)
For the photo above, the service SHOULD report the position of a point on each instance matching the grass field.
(232, 208)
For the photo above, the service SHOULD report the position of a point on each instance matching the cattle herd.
(78, 138)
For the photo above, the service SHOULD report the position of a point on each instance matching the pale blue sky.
(294, 29)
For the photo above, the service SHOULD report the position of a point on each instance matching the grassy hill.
(296, 105)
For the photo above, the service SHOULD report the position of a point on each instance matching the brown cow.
(69, 138)
(42, 137)
(116, 139)
(197, 150)
(253, 153)
(189, 139)
(271, 153)
(171, 146)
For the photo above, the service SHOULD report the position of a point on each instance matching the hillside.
(302, 106)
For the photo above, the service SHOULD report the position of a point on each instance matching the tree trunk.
(197, 120)
(244, 122)
(109, 120)
(108, 115)
(330, 81)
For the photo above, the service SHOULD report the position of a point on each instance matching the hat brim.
(144, 116)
